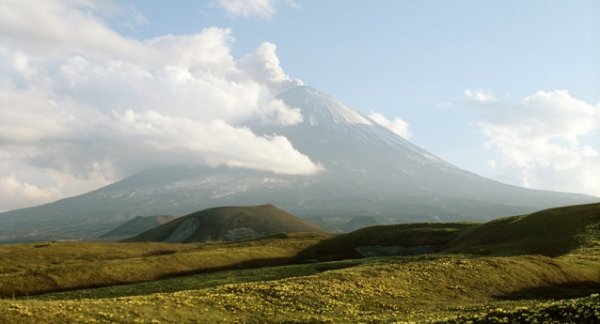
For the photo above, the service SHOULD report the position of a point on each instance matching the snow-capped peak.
(318, 108)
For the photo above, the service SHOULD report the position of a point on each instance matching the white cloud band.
(84, 105)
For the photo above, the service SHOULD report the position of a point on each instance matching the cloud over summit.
(82, 105)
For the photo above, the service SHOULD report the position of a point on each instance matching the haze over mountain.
(367, 170)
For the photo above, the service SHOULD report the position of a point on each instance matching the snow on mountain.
(367, 171)
(318, 108)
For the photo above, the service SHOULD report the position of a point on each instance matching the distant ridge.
(227, 224)
(137, 225)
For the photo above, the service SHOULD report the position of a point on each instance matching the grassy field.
(424, 288)
(475, 276)
(28, 269)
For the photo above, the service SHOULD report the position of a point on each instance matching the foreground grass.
(181, 307)
(426, 288)
(202, 281)
(579, 310)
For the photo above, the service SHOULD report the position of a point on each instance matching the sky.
(92, 91)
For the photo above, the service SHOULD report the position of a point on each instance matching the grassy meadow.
(542, 267)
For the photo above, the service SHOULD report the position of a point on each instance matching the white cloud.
(544, 142)
(252, 8)
(15, 194)
(188, 138)
(82, 106)
(397, 125)
(479, 96)
(54, 28)
(263, 66)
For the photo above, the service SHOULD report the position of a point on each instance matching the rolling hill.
(400, 239)
(136, 226)
(227, 224)
(540, 267)
(550, 232)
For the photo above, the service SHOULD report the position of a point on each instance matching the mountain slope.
(136, 226)
(369, 171)
(372, 162)
(227, 224)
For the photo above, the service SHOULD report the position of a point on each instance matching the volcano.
(368, 171)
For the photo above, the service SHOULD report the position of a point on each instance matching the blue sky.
(413, 50)
(507, 89)
(414, 59)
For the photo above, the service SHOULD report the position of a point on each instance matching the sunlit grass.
(260, 281)
(378, 289)
(38, 268)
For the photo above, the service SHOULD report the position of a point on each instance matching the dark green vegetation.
(579, 310)
(229, 224)
(473, 276)
(432, 237)
(550, 232)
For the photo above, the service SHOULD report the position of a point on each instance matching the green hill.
(401, 239)
(227, 224)
(137, 225)
(532, 268)
(550, 232)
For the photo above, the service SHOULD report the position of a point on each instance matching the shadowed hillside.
(136, 226)
(227, 224)
(406, 239)
(550, 232)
